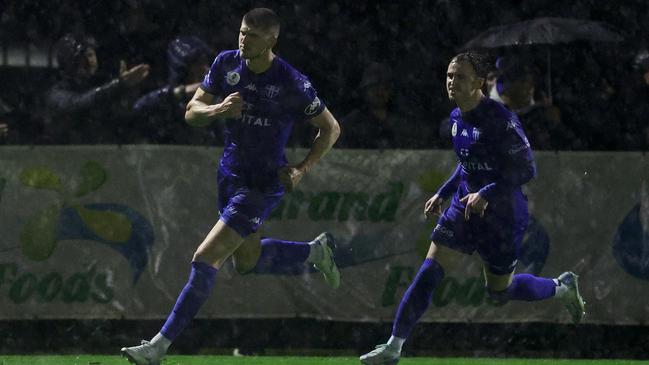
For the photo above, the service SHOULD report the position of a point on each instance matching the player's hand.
(290, 176)
(433, 206)
(231, 106)
(474, 204)
(134, 75)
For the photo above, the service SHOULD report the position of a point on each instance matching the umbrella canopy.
(544, 31)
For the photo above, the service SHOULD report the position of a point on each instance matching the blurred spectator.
(82, 108)
(16, 125)
(5, 111)
(515, 87)
(634, 133)
(373, 124)
(161, 113)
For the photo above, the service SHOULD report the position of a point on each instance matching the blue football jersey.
(272, 102)
(495, 157)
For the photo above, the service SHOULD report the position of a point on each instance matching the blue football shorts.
(244, 208)
(497, 236)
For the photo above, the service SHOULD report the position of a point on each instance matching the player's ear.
(273, 41)
(479, 83)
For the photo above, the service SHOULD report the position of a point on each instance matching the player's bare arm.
(433, 206)
(329, 131)
(201, 111)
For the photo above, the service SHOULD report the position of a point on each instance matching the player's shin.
(191, 298)
(416, 300)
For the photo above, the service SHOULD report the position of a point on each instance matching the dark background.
(331, 42)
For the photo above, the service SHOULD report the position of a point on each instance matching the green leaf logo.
(93, 176)
(431, 180)
(41, 178)
(38, 237)
(110, 226)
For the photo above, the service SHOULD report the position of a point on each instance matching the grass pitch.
(294, 360)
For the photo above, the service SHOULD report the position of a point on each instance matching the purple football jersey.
(272, 102)
(494, 154)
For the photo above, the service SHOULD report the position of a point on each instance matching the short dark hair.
(262, 18)
(480, 62)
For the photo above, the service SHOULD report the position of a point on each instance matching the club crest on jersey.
(454, 130)
(271, 91)
(232, 78)
(313, 107)
(476, 134)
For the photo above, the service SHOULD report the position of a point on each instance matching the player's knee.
(243, 269)
(244, 264)
(432, 250)
(498, 296)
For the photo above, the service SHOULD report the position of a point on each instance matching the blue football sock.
(191, 298)
(530, 288)
(417, 298)
(283, 257)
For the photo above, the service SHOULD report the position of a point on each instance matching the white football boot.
(382, 355)
(144, 354)
(327, 266)
(572, 300)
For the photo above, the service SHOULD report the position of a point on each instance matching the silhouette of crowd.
(125, 69)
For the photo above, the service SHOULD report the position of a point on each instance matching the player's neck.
(469, 103)
(260, 63)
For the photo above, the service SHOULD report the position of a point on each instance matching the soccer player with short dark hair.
(264, 96)
(488, 210)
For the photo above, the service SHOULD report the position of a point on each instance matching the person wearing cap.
(372, 125)
(161, 112)
(82, 108)
(515, 88)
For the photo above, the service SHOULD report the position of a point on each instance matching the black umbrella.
(544, 31)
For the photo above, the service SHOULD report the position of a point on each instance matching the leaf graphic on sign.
(93, 176)
(38, 237)
(110, 226)
(431, 180)
(41, 178)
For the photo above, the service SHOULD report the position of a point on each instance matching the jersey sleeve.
(517, 160)
(450, 186)
(305, 102)
(212, 81)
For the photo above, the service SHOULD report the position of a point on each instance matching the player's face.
(461, 81)
(254, 42)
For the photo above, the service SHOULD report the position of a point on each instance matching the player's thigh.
(497, 282)
(218, 245)
(447, 257)
(247, 254)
